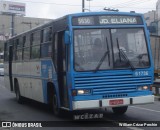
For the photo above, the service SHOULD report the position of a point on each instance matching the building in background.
(150, 17)
(151, 21)
(21, 24)
(158, 16)
(13, 22)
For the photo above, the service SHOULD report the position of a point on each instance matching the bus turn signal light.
(74, 93)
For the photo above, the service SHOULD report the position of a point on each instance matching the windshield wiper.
(121, 52)
(101, 61)
(103, 57)
(126, 58)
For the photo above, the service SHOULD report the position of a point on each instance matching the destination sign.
(106, 20)
(117, 20)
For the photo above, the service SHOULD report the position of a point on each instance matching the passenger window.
(35, 45)
(46, 50)
(35, 38)
(46, 46)
(47, 34)
(18, 49)
(35, 52)
(26, 53)
(19, 54)
(26, 47)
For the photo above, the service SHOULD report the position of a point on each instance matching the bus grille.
(109, 84)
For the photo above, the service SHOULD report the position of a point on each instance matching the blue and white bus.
(83, 61)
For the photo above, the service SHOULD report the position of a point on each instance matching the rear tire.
(19, 98)
(55, 108)
(120, 110)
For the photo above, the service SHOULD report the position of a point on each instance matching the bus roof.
(102, 13)
(81, 14)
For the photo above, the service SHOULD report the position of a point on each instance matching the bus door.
(10, 66)
(61, 63)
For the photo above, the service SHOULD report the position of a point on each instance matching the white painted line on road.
(145, 109)
(134, 128)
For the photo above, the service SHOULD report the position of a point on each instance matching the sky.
(53, 9)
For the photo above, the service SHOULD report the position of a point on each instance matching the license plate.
(116, 102)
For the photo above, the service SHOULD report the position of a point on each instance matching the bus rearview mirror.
(66, 37)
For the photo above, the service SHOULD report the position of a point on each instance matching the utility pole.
(89, 4)
(83, 5)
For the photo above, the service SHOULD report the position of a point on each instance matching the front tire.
(120, 110)
(19, 98)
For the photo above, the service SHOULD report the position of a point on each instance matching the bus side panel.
(30, 82)
(19, 76)
(36, 81)
(22, 75)
(48, 75)
(17, 71)
(6, 76)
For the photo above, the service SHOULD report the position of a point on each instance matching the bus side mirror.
(66, 37)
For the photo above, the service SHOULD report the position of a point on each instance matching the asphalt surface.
(10, 110)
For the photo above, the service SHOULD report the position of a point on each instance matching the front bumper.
(90, 104)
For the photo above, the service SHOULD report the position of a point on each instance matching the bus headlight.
(83, 91)
(143, 88)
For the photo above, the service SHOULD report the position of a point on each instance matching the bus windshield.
(104, 49)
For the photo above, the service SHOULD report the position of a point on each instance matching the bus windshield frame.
(110, 49)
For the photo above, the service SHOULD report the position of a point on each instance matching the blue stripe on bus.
(48, 72)
(44, 73)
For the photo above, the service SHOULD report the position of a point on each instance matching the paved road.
(10, 110)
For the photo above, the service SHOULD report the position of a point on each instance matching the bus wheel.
(55, 108)
(18, 95)
(120, 110)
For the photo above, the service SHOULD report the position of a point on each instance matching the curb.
(157, 98)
